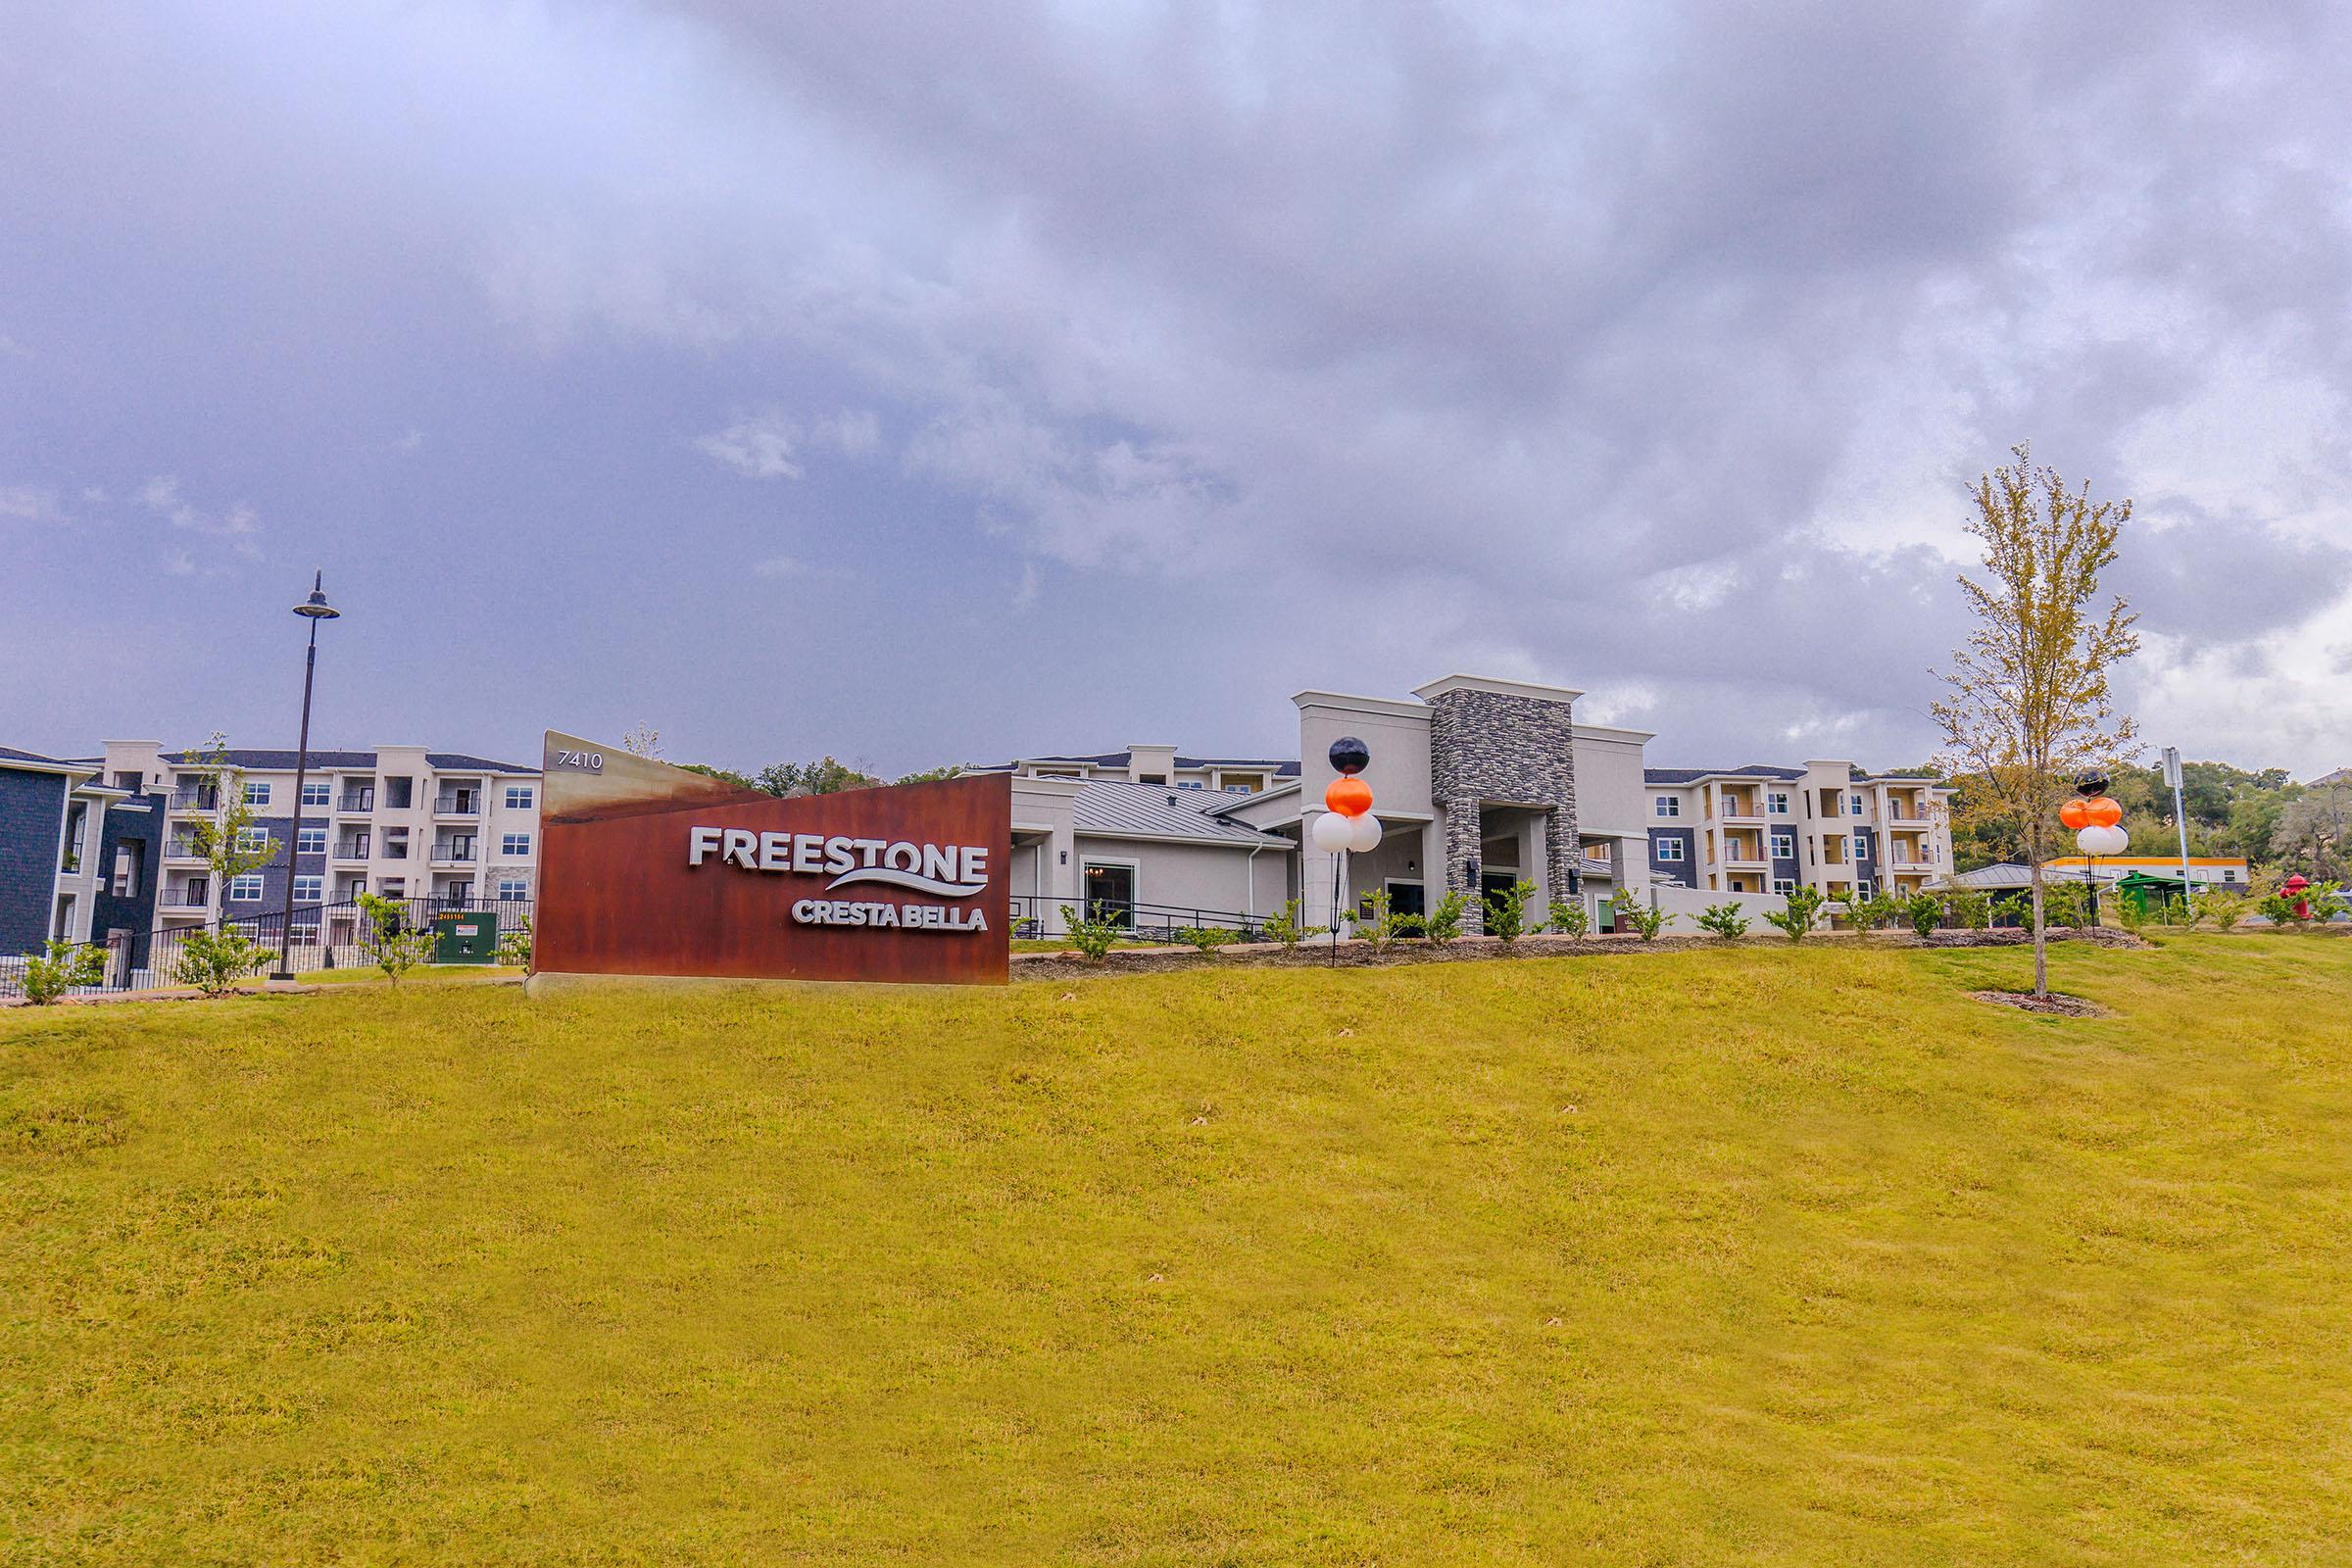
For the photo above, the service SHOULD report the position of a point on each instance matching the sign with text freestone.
(648, 870)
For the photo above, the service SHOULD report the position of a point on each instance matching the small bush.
(1444, 923)
(1206, 938)
(1924, 911)
(62, 967)
(1286, 926)
(1801, 916)
(387, 938)
(1093, 938)
(1645, 921)
(2224, 910)
(1570, 919)
(515, 944)
(1506, 911)
(1973, 909)
(1379, 923)
(214, 961)
(1725, 920)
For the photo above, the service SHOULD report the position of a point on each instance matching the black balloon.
(2092, 783)
(1349, 754)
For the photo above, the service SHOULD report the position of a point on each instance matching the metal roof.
(1281, 766)
(1692, 775)
(1114, 810)
(10, 754)
(275, 761)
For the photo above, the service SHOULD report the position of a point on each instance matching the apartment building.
(1160, 765)
(77, 859)
(1826, 825)
(400, 820)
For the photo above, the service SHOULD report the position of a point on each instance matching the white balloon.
(1332, 832)
(1363, 834)
(2102, 841)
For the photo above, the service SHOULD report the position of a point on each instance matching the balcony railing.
(195, 800)
(454, 852)
(185, 899)
(355, 801)
(352, 849)
(457, 806)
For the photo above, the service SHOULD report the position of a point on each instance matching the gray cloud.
(1240, 349)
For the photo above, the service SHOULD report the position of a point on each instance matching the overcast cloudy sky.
(923, 383)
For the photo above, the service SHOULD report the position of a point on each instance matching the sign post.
(650, 869)
(2172, 776)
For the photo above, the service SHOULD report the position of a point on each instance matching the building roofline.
(1438, 688)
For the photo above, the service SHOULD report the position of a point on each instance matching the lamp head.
(316, 608)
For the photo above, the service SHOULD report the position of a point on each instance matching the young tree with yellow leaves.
(2031, 704)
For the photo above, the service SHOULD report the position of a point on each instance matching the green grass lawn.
(1711, 1257)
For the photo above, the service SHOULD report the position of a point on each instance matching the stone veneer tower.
(1510, 745)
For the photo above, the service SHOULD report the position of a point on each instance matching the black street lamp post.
(313, 610)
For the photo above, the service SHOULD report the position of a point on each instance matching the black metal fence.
(326, 936)
(1036, 918)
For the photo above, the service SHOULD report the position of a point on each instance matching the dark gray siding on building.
(1682, 870)
(31, 817)
(134, 911)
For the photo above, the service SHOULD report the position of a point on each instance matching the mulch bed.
(2055, 1004)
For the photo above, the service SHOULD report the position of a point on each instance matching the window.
(398, 793)
(1668, 805)
(129, 861)
(131, 779)
(2229, 874)
(1864, 890)
(1109, 892)
(518, 797)
(245, 889)
(251, 840)
(394, 887)
(309, 889)
(310, 841)
(1782, 886)
(1776, 803)
(512, 889)
(1160, 779)
(1189, 784)
(1783, 846)
(256, 794)
(1853, 805)
(306, 933)
(1669, 848)
(316, 794)
(515, 844)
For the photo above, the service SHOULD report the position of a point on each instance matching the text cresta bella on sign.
(946, 870)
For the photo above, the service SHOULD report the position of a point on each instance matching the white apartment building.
(1826, 825)
(401, 821)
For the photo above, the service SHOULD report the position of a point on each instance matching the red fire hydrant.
(2293, 887)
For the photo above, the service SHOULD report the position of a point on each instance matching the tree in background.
(828, 775)
(230, 840)
(2030, 699)
(643, 741)
(2310, 829)
(2232, 811)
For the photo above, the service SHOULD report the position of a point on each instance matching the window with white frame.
(306, 933)
(1669, 806)
(512, 889)
(309, 889)
(1783, 846)
(256, 794)
(518, 797)
(1783, 886)
(1669, 848)
(515, 844)
(316, 794)
(1853, 805)
(310, 841)
(1776, 803)
(251, 840)
(245, 889)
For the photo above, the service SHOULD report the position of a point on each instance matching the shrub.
(515, 944)
(1645, 921)
(1802, 914)
(64, 966)
(214, 961)
(1091, 938)
(387, 938)
(1569, 918)
(1206, 938)
(1864, 914)
(2066, 903)
(2130, 914)
(1506, 911)
(1724, 920)
(2224, 910)
(1924, 911)
(1379, 923)
(1973, 909)
(1285, 925)
(2016, 907)
(1444, 923)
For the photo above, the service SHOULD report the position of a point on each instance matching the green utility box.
(465, 936)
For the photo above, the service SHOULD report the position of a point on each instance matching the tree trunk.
(2041, 949)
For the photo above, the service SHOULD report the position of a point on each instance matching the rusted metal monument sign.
(648, 870)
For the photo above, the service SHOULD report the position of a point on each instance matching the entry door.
(1494, 884)
(1110, 894)
(1405, 898)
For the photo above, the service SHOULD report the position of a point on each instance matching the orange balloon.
(1349, 795)
(2075, 814)
(2102, 810)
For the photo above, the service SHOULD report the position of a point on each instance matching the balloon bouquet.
(1348, 822)
(2095, 817)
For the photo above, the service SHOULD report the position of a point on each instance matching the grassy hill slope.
(1744, 1256)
